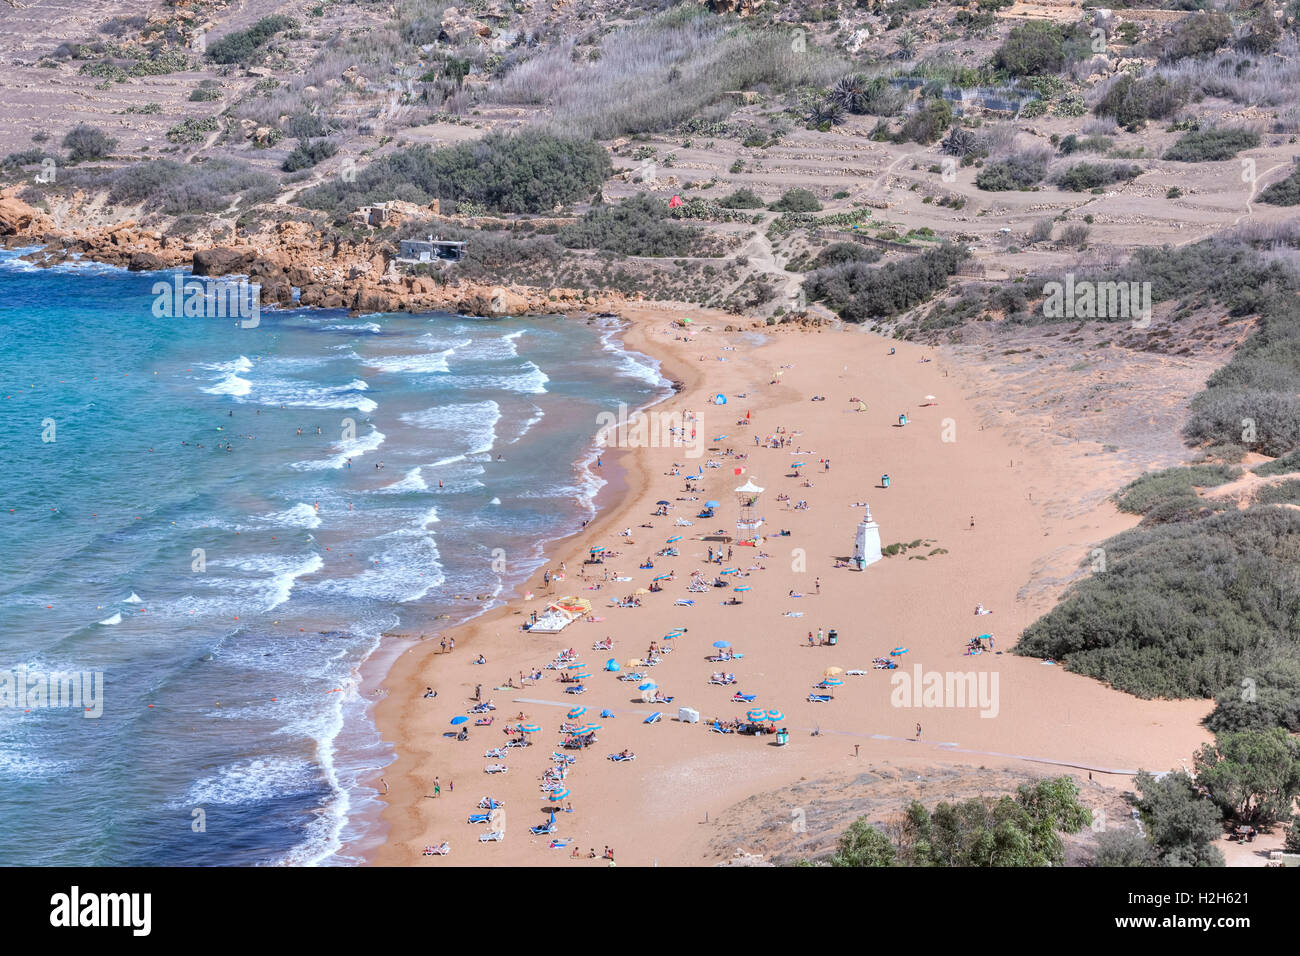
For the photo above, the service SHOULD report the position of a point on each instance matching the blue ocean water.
(228, 575)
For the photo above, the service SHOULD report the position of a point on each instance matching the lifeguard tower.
(747, 501)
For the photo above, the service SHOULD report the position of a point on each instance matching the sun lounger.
(492, 836)
(576, 689)
(855, 673)
(653, 718)
(743, 698)
(558, 844)
(484, 722)
(496, 753)
(717, 728)
(619, 758)
(545, 828)
(478, 818)
(684, 602)
(487, 803)
(819, 698)
(441, 849)
(495, 768)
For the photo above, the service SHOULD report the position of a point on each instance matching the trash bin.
(884, 481)
(832, 636)
(782, 737)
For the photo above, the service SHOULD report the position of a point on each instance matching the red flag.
(740, 471)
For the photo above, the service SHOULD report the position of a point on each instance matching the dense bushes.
(1197, 34)
(1211, 145)
(1184, 610)
(1284, 192)
(1024, 830)
(1181, 823)
(525, 172)
(1031, 49)
(797, 200)
(1084, 176)
(1132, 102)
(1253, 776)
(743, 198)
(308, 153)
(86, 142)
(1018, 171)
(1286, 463)
(1285, 492)
(838, 253)
(179, 188)
(927, 123)
(638, 226)
(245, 46)
(858, 292)
(1160, 488)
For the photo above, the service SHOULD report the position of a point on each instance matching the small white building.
(866, 547)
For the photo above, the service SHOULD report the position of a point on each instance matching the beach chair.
(492, 836)
(558, 844)
(544, 829)
(575, 689)
(743, 698)
(478, 818)
(684, 602)
(619, 758)
(495, 768)
(487, 803)
(653, 718)
(441, 849)
(819, 698)
(717, 728)
(496, 753)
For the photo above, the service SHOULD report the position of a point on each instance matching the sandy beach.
(981, 503)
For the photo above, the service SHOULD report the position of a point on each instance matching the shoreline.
(625, 479)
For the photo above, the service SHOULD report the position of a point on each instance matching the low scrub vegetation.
(246, 47)
(528, 172)
(859, 292)
(1084, 176)
(1211, 145)
(638, 226)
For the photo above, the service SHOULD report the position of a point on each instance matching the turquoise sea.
(227, 575)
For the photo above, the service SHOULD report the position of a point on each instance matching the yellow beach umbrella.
(833, 671)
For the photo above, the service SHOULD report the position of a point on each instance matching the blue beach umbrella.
(611, 665)
(674, 539)
(558, 795)
(775, 715)
(529, 728)
(743, 587)
(710, 504)
(833, 682)
(576, 712)
(721, 644)
(663, 577)
(648, 685)
(457, 721)
(758, 713)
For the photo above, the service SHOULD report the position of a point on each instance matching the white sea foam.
(133, 599)
(114, 619)
(413, 480)
(301, 515)
(259, 780)
(344, 450)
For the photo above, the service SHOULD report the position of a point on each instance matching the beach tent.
(611, 665)
(688, 715)
(720, 399)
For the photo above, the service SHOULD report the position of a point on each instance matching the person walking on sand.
(918, 731)
(451, 644)
(478, 692)
(818, 585)
(855, 749)
(443, 642)
(437, 788)
(972, 521)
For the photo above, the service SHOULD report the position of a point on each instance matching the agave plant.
(907, 45)
(851, 93)
(826, 112)
(960, 142)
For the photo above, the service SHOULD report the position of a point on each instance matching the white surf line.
(946, 746)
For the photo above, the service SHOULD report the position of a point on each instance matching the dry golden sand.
(649, 810)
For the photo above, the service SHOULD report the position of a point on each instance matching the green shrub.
(1159, 487)
(743, 198)
(1284, 192)
(1132, 102)
(308, 153)
(1019, 171)
(193, 130)
(1280, 466)
(928, 123)
(797, 200)
(173, 188)
(859, 293)
(638, 226)
(1284, 492)
(839, 253)
(1181, 823)
(1211, 145)
(1084, 176)
(530, 171)
(1031, 49)
(86, 142)
(1253, 776)
(245, 46)
(1197, 34)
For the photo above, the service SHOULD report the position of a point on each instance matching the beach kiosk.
(866, 547)
(747, 501)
